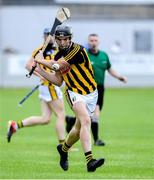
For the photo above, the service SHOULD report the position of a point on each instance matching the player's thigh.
(81, 112)
(97, 111)
(57, 106)
(46, 110)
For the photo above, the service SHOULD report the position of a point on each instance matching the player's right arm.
(53, 77)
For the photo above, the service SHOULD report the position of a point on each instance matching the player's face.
(63, 42)
(93, 42)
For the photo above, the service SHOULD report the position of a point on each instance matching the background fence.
(126, 31)
(139, 69)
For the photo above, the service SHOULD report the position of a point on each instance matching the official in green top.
(100, 63)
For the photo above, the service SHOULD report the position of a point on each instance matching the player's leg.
(82, 114)
(72, 137)
(94, 123)
(96, 116)
(83, 122)
(13, 126)
(58, 108)
(45, 98)
(39, 120)
(95, 127)
(74, 134)
(70, 121)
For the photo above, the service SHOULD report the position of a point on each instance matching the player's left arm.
(115, 74)
(53, 65)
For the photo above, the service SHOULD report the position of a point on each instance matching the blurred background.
(126, 29)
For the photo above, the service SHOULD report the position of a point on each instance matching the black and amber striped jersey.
(48, 54)
(80, 77)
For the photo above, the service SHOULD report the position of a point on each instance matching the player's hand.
(34, 64)
(123, 79)
(38, 68)
(64, 65)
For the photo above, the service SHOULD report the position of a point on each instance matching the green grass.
(127, 127)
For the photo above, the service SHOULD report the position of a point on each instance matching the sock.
(94, 129)
(65, 147)
(20, 124)
(61, 141)
(88, 156)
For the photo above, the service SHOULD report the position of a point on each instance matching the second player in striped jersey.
(50, 97)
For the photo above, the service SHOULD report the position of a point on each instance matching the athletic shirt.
(48, 54)
(100, 63)
(80, 77)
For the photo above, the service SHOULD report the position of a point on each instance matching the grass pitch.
(126, 125)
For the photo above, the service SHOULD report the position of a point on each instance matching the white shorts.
(90, 100)
(50, 93)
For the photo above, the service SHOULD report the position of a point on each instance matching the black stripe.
(69, 98)
(87, 64)
(70, 88)
(90, 70)
(78, 80)
(73, 52)
(73, 85)
(50, 93)
(85, 76)
(67, 145)
(71, 82)
(65, 13)
(88, 153)
(37, 51)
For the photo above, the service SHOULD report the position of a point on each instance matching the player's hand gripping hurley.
(62, 15)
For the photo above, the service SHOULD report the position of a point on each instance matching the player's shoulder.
(78, 47)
